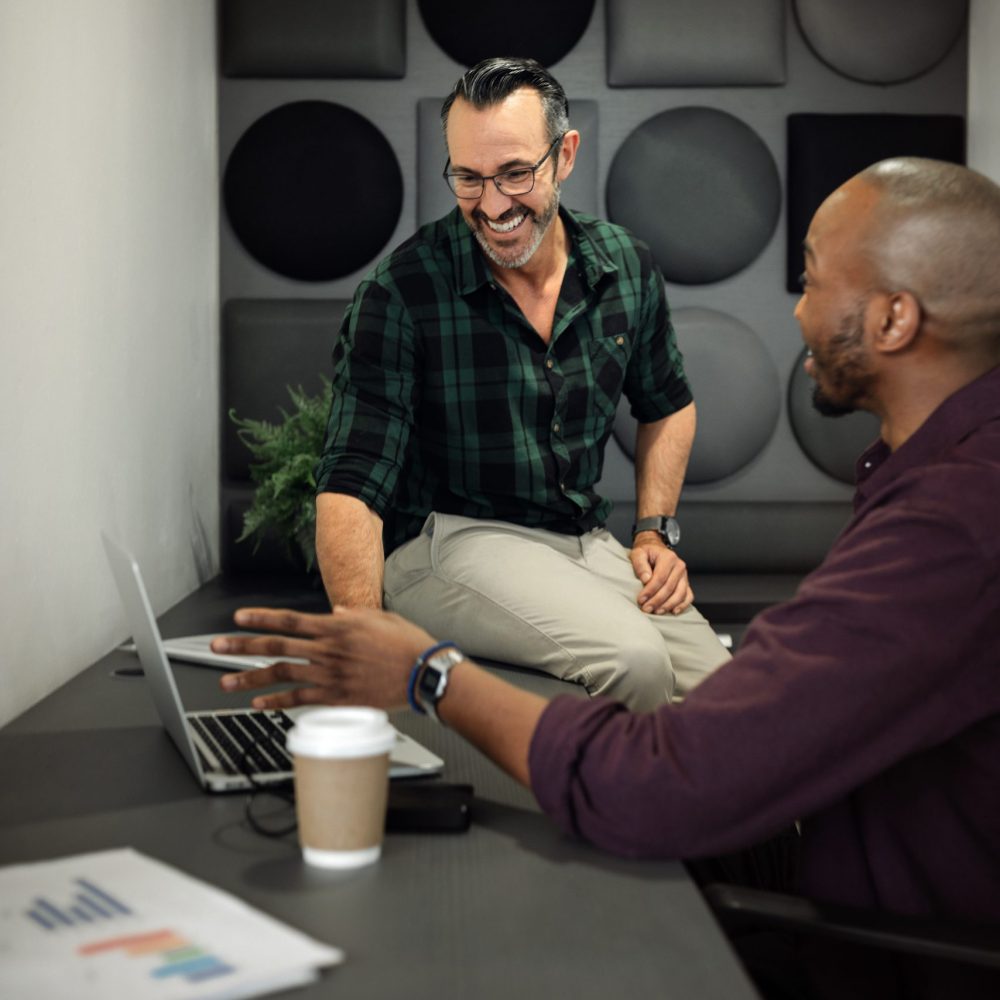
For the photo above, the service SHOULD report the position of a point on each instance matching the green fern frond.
(282, 466)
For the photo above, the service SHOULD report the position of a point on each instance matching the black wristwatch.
(433, 681)
(666, 527)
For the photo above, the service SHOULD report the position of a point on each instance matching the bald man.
(868, 707)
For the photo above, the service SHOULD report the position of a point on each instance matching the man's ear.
(567, 154)
(896, 319)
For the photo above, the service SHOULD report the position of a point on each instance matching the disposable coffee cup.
(341, 760)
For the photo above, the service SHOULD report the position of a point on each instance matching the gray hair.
(491, 81)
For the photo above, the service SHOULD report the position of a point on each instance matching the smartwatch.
(433, 680)
(666, 527)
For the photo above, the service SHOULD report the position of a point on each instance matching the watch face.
(671, 530)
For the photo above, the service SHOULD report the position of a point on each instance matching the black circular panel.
(736, 389)
(881, 41)
(833, 444)
(313, 190)
(701, 188)
(471, 32)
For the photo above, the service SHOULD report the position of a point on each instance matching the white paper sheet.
(119, 924)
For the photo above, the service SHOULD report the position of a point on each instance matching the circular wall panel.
(472, 32)
(736, 389)
(701, 188)
(881, 41)
(832, 444)
(313, 190)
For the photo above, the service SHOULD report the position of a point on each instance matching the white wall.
(984, 87)
(108, 320)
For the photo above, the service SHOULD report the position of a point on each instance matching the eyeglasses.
(518, 180)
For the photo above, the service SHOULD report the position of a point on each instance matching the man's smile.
(508, 226)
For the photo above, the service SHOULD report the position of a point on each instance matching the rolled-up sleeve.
(374, 398)
(655, 383)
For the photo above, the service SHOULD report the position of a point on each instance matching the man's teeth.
(506, 227)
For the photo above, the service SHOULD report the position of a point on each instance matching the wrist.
(665, 526)
(428, 681)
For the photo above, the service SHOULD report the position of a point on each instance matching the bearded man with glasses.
(476, 379)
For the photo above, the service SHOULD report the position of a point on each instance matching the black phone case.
(427, 807)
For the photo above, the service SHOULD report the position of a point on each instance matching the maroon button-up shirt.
(868, 706)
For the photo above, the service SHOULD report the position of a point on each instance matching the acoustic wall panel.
(313, 190)
(701, 188)
(881, 41)
(434, 198)
(269, 345)
(736, 389)
(313, 38)
(826, 150)
(695, 43)
(471, 32)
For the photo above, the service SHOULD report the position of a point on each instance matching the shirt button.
(550, 363)
(562, 486)
(555, 427)
(868, 465)
(619, 341)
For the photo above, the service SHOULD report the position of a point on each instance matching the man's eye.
(466, 179)
(516, 176)
(803, 280)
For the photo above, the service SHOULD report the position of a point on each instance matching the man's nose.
(493, 201)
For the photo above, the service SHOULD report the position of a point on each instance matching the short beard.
(845, 369)
(540, 224)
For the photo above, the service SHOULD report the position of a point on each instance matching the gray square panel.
(695, 43)
(435, 200)
(268, 345)
(313, 38)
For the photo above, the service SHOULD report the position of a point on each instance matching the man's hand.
(663, 575)
(362, 656)
(353, 656)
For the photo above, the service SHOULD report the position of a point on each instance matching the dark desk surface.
(510, 909)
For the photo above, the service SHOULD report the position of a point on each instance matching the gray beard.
(541, 227)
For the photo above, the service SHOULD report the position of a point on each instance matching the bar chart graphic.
(177, 955)
(89, 904)
(117, 923)
(173, 954)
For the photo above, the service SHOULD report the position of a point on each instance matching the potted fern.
(284, 456)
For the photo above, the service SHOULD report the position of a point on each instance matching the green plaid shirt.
(446, 399)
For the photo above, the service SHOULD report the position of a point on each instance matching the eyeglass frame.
(493, 177)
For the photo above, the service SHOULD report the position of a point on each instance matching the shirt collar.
(471, 271)
(961, 413)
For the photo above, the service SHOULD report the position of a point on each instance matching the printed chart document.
(119, 924)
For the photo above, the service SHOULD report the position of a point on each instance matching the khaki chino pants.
(562, 604)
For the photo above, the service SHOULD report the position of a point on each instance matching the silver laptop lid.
(146, 635)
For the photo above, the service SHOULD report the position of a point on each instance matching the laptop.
(198, 649)
(226, 749)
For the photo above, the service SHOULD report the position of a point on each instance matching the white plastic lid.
(341, 732)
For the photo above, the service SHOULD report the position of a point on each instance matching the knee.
(639, 674)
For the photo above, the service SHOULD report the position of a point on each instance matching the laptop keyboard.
(246, 741)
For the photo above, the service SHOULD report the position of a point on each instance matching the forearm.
(349, 550)
(662, 449)
(496, 717)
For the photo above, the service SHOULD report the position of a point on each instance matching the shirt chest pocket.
(608, 360)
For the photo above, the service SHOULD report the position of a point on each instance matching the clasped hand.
(663, 574)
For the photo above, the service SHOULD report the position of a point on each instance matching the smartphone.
(428, 806)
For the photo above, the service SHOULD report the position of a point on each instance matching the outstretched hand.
(353, 656)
